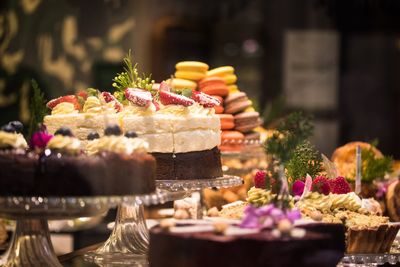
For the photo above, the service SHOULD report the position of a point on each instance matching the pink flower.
(298, 188)
(39, 140)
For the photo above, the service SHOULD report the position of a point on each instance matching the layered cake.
(181, 130)
(57, 166)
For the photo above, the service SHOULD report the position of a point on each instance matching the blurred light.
(250, 46)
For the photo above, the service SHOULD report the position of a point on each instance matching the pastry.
(219, 109)
(221, 71)
(213, 86)
(247, 121)
(236, 102)
(227, 121)
(191, 70)
(393, 201)
(231, 141)
(180, 84)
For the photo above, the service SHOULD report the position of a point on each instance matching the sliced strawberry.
(164, 86)
(139, 97)
(168, 98)
(205, 100)
(108, 97)
(82, 94)
(156, 105)
(68, 98)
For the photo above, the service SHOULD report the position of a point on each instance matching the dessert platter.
(180, 129)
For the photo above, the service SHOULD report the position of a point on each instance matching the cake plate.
(129, 241)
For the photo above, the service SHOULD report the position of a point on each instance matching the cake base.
(255, 250)
(107, 174)
(189, 166)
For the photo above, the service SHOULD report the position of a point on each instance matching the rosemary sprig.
(38, 108)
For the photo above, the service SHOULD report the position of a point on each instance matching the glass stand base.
(129, 241)
(31, 246)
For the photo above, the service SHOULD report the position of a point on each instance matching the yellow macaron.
(249, 109)
(221, 71)
(181, 84)
(233, 88)
(230, 79)
(190, 75)
(193, 66)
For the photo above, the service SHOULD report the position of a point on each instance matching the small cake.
(57, 166)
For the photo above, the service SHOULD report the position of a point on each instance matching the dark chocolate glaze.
(188, 166)
(65, 175)
(255, 250)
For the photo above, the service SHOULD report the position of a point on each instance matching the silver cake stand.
(129, 241)
(31, 245)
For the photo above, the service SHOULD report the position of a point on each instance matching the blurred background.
(337, 60)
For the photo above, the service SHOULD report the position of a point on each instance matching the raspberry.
(259, 179)
(321, 184)
(298, 187)
(168, 98)
(108, 97)
(339, 185)
(205, 100)
(139, 97)
(68, 98)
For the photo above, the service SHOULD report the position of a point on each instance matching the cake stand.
(129, 241)
(31, 245)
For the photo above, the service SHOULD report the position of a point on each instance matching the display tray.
(195, 185)
(365, 259)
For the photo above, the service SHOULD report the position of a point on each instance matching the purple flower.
(298, 188)
(39, 140)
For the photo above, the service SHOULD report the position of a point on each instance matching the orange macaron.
(220, 108)
(227, 121)
(213, 86)
(231, 141)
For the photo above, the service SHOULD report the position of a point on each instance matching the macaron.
(237, 102)
(233, 88)
(190, 75)
(231, 141)
(221, 71)
(193, 66)
(227, 121)
(252, 137)
(230, 79)
(213, 86)
(247, 121)
(220, 108)
(179, 84)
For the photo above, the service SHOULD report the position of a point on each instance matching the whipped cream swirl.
(94, 105)
(12, 140)
(64, 108)
(66, 144)
(117, 144)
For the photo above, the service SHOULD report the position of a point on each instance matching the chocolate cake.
(250, 250)
(188, 166)
(61, 169)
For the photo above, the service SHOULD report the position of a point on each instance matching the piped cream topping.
(14, 140)
(117, 144)
(94, 105)
(67, 144)
(179, 110)
(64, 108)
(133, 109)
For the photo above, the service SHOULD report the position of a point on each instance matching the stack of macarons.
(238, 117)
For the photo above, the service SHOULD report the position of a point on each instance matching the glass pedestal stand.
(129, 241)
(31, 245)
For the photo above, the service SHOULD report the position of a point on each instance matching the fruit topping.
(8, 128)
(108, 97)
(298, 187)
(321, 185)
(139, 97)
(259, 179)
(68, 98)
(168, 98)
(113, 129)
(17, 125)
(64, 131)
(339, 185)
(131, 134)
(93, 135)
(205, 100)
(164, 86)
(40, 139)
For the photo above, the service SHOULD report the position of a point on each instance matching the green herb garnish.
(374, 167)
(38, 108)
(305, 160)
(130, 78)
